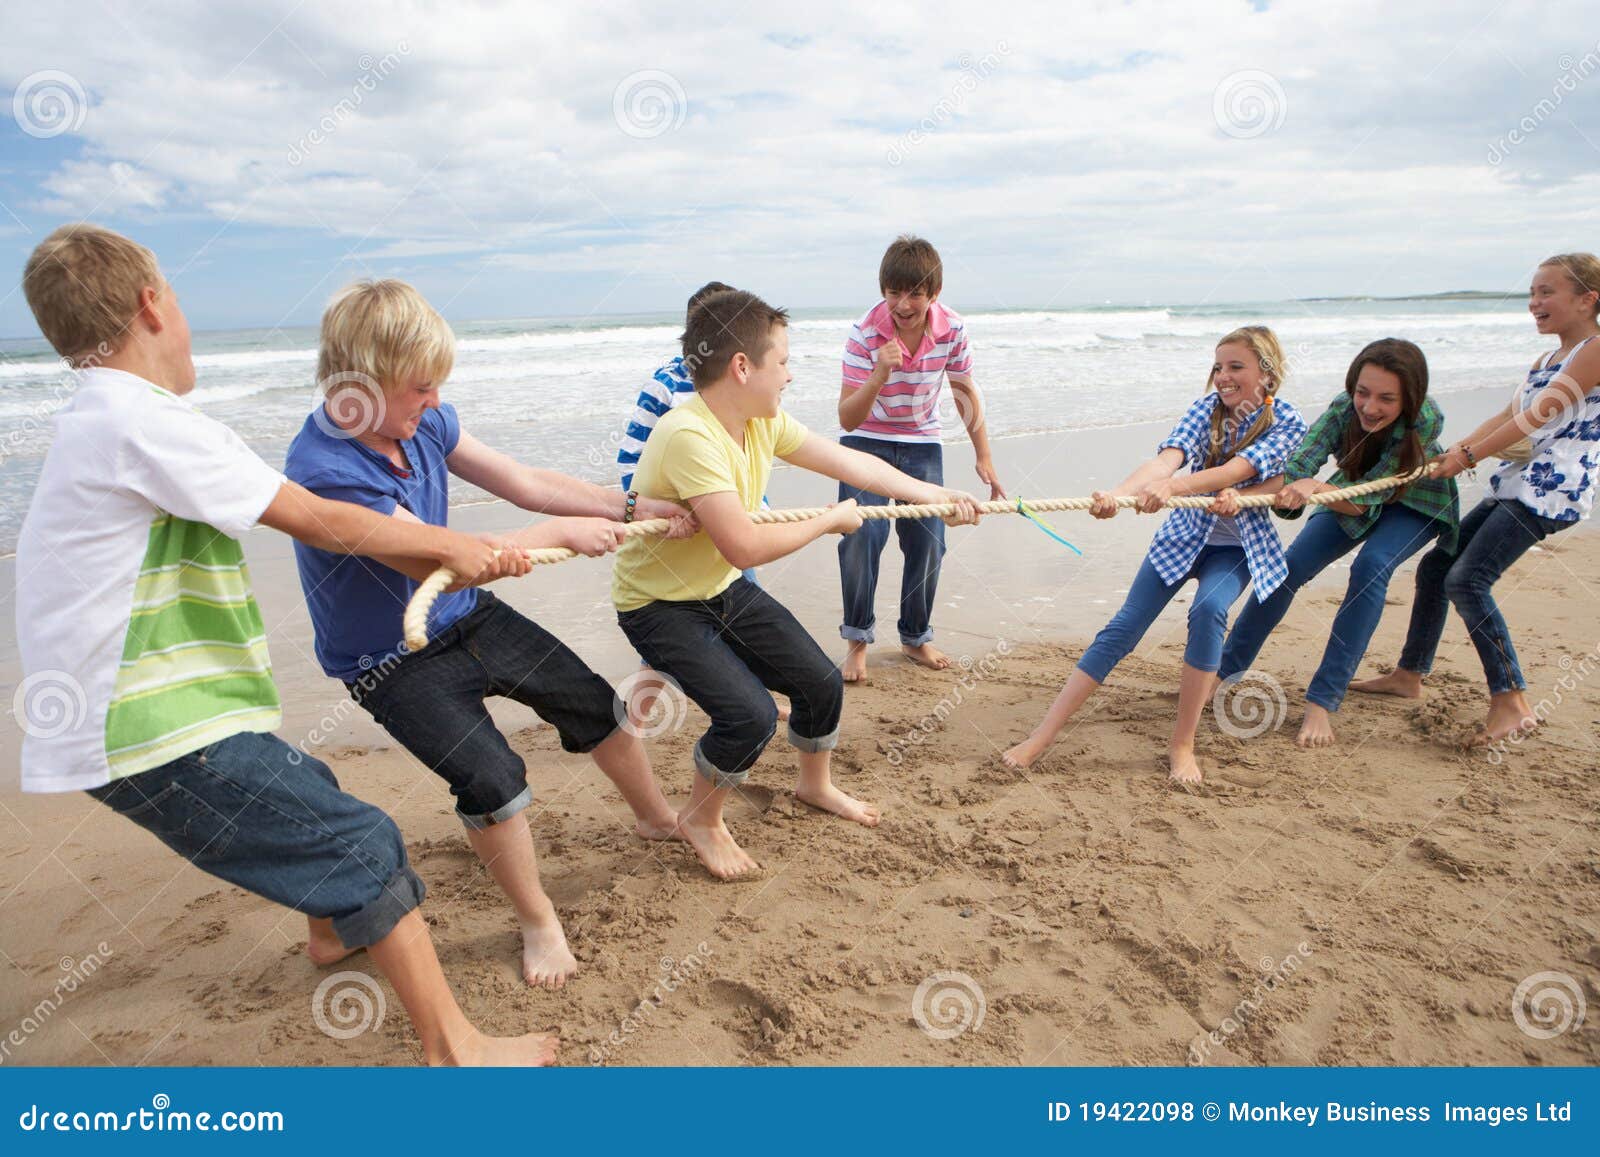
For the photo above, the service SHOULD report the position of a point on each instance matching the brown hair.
(383, 332)
(1264, 344)
(1359, 452)
(910, 264)
(83, 284)
(1582, 270)
(704, 292)
(727, 323)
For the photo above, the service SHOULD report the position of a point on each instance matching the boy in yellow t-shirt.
(684, 604)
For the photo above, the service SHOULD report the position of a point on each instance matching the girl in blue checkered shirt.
(1238, 434)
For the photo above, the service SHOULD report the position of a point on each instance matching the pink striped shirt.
(907, 407)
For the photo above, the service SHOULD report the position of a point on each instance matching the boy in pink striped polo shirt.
(895, 362)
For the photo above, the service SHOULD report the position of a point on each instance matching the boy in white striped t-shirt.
(895, 362)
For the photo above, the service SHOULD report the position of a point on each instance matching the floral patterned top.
(1559, 481)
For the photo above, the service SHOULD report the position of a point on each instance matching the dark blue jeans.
(1222, 575)
(255, 812)
(433, 703)
(1397, 535)
(726, 653)
(921, 544)
(1493, 536)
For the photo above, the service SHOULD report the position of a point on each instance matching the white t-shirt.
(140, 637)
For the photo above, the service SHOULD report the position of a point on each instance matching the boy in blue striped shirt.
(669, 385)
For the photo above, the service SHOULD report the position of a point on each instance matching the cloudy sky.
(531, 159)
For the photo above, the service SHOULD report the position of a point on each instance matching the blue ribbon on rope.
(1037, 521)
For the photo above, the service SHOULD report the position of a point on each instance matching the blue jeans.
(921, 544)
(726, 653)
(1222, 574)
(1398, 534)
(1493, 536)
(432, 701)
(255, 812)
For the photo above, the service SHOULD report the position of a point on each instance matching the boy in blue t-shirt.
(383, 440)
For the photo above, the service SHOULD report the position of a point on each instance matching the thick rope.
(417, 611)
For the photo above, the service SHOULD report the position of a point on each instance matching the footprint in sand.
(1246, 777)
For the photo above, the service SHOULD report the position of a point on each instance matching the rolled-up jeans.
(727, 653)
(1493, 536)
(921, 544)
(256, 812)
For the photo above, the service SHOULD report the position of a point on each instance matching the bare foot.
(831, 799)
(1509, 714)
(547, 962)
(783, 709)
(1317, 730)
(854, 667)
(1405, 684)
(536, 1049)
(1185, 768)
(323, 946)
(929, 656)
(657, 830)
(1024, 753)
(714, 844)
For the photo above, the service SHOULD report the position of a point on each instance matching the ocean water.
(559, 392)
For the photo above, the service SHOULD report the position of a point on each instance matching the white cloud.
(1075, 156)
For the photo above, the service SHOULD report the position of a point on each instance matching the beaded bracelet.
(629, 505)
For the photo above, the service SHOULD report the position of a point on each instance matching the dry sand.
(1377, 903)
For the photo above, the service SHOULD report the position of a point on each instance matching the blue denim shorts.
(255, 812)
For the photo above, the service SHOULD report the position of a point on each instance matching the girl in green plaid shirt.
(1383, 424)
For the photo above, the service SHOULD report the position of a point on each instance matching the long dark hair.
(1360, 450)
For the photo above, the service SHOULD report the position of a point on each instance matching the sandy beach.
(1378, 903)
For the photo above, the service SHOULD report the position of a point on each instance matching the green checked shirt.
(1435, 497)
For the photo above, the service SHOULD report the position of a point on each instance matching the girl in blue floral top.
(1542, 490)
(1236, 433)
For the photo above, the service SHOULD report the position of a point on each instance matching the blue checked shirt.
(1179, 541)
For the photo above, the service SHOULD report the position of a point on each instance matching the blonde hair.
(1264, 344)
(383, 332)
(83, 284)
(1582, 270)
